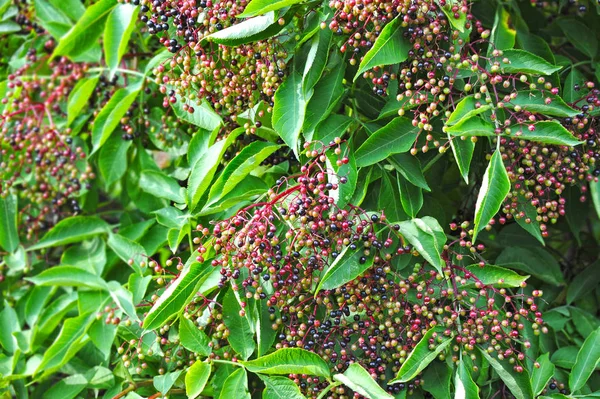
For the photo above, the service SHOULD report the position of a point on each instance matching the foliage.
(303, 199)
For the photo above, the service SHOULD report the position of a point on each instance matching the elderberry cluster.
(38, 160)
(232, 79)
(281, 253)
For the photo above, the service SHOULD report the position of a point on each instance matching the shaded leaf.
(289, 361)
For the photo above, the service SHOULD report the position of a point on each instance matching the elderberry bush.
(341, 199)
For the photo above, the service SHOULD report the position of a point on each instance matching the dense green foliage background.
(302, 199)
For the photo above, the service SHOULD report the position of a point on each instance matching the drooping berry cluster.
(232, 79)
(279, 253)
(38, 159)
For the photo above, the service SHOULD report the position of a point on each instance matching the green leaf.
(177, 295)
(241, 337)
(265, 335)
(112, 160)
(289, 361)
(328, 91)
(192, 338)
(547, 132)
(280, 388)
(9, 234)
(465, 386)
(436, 380)
(289, 110)
(244, 32)
(389, 199)
(51, 18)
(117, 31)
(579, 35)
(164, 383)
(521, 61)
(68, 276)
(423, 354)
(196, 379)
(360, 381)
(463, 149)
(518, 383)
(86, 31)
(457, 23)
(396, 137)
(67, 388)
(497, 276)
(570, 95)
(128, 250)
(162, 186)
(79, 97)
(236, 386)
(502, 35)
(258, 7)
(426, 236)
(533, 227)
(110, 116)
(249, 158)
(587, 360)
(344, 268)
(467, 108)
(203, 170)
(410, 196)
(123, 298)
(535, 101)
(70, 339)
(343, 194)
(472, 126)
(410, 168)
(493, 191)
(595, 194)
(541, 376)
(202, 116)
(584, 283)
(390, 47)
(73, 229)
(534, 261)
(319, 54)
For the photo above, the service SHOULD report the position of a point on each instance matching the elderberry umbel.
(38, 160)
(277, 254)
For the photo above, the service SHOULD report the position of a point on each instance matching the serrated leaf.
(467, 108)
(258, 7)
(289, 361)
(518, 383)
(128, 250)
(421, 355)
(360, 381)
(547, 132)
(241, 337)
(535, 101)
(534, 261)
(86, 31)
(463, 149)
(280, 388)
(196, 378)
(465, 386)
(588, 358)
(73, 229)
(202, 116)
(493, 191)
(9, 234)
(540, 377)
(289, 110)
(79, 97)
(68, 276)
(112, 160)
(345, 267)
(411, 196)
(584, 283)
(390, 47)
(436, 380)
(521, 61)
(246, 31)
(236, 385)
(472, 126)
(396, 137)
(579, 35)
(177, 295)
(497, 276)
(162, 186)
(117, 31)
(426, 236)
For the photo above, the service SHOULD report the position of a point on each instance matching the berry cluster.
(279, 253)
(36, 156)
(232, 79)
